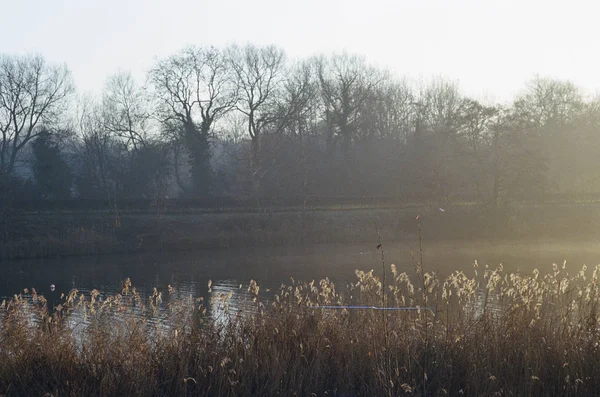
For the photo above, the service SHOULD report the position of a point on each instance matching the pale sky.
(490, 47)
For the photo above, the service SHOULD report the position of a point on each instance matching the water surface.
(189, 272)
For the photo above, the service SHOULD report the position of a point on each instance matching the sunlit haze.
(309, 198)
(491, 48)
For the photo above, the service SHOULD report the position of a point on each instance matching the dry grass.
(489, 334)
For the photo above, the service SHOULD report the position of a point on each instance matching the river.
(189, 272)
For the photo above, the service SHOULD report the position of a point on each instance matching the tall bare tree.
(437, 144)
(548, 104)
(442, 107)
(297, 117)
(518, 168)
(388, 113)
(297, 105)
(126, 111)
(259, 74)
(96, 159)
(194, 89)
(127, 116)
(346, 83)
(551, 111)
(32, 93)
(477, 137)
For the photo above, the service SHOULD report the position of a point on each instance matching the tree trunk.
(200, 168)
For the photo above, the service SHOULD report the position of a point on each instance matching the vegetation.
(62, 232)
(51, 173)
(246, 122)
(490, 333)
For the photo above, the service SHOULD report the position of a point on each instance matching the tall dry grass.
(487, 334)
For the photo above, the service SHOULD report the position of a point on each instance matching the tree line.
(247, 122)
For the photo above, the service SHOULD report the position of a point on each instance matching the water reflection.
(159, 312)
(188, 273)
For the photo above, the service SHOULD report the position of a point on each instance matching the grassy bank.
(62, 234)
(487, 334)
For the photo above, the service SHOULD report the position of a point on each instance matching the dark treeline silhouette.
(247, 123)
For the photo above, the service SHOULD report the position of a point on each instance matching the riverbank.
(39, 235)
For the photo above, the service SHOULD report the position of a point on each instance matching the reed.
(488, 333)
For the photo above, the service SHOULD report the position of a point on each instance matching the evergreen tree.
(52, 175)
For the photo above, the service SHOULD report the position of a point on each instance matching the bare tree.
(297, 116)
(517, 168)
(477, 137)
(125, 110)
(259, 73)
(388, 113)
(440, 116)
(548, 104)
(194, 89)
(95, 179)
(346, 83)
(194, 86)
(442, 107)
(297, 105)
(31, 93)
(585, 162)
(551, 111)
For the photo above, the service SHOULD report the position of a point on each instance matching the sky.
(491, 48)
